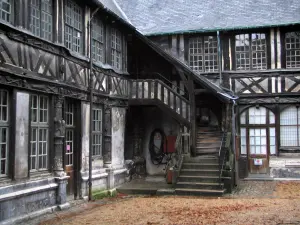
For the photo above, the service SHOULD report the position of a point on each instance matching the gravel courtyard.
(255, 202)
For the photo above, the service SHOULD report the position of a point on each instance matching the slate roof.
(179, 16)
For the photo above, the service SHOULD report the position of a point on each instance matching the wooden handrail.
(163, 84)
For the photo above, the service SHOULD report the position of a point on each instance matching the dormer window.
(250, 51)
(292, 47)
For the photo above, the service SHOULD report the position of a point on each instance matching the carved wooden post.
(61, 178)
(107, 160)
(59, 137)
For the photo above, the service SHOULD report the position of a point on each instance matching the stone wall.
(27, 198)
(284, 167)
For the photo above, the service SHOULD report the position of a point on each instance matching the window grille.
(73, 27)
(69, 139)
(292, 46)
(203, 54)
(116, 51)
(41, 18)
(39, 139)
(98, 40)
(97, 132)
(250, 51)
(258, 131)
(4, 131)
(258, 141)
(289, 127)
(243, 141)
(6, 10)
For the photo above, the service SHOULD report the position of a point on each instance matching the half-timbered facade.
(252, 50)
(71, 74)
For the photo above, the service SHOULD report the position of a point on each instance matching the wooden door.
(69, 111)
(258, 150)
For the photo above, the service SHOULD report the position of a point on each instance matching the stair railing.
(158, 90)
(179, 156)
(222, 155)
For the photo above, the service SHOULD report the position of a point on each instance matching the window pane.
(196, 54)
(5, 10)
(257, 115)
(288, 136)
(73, 26)
(292, 46)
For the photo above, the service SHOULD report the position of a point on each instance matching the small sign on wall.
(258, 162)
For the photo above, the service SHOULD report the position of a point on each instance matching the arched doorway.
(258, 139)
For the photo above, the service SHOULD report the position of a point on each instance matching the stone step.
(186, 191)
(200, 172)
(200, 185)
(202, 159)
(187, 165)
(208, 145)
(208, 141)
(197, 178)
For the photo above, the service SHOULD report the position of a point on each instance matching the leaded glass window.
(39, 136)
(6, 10)
(290, 127)
(116, 49)
(203, 54)
(41, 18)
(97, 132)
(4, 131)
(292, 46)
(98, 40)
(73, 26)
(251, 51)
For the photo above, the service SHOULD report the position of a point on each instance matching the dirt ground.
(278, 204)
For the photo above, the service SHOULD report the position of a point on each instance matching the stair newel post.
(143, 89)
(162, 93)
(155, 89)
(149, 89)
(192, 116)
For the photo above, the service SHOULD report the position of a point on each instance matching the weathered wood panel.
(279, 84)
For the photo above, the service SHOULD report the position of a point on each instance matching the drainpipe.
(219, 58)
(91, 103)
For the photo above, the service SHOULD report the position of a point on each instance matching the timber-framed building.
(214, 93)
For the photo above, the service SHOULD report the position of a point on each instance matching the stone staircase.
(200, 175)
(208, 141)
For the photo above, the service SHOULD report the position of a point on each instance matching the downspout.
(90, 26)
(219, 58)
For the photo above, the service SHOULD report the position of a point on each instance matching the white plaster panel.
(118, 136)
(85, 121)
(21, 135)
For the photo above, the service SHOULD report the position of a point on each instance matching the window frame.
(114, 51)
(6, 125)
(97, 27)
(97, 133)
(297, 125)
(52, 14)
(12, 9)
(38, 126)
(69, 115)
(205, 56)
(80, 29)
(284, 48)
(268, 125)
(250, 51)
